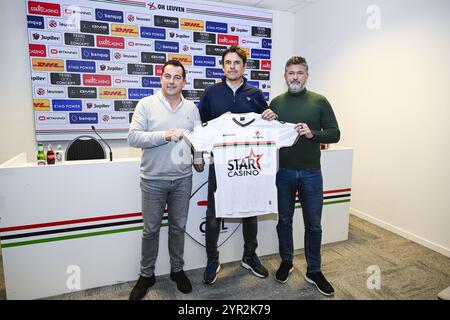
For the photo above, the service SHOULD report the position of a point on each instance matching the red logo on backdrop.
(158, 70)
(96, 80)
(53, 23)
(110, 42)
(266, 65)
(131, 18)
(40, 91)
(43, 8)
(42, 118)
(105, 118)
(228, 40)
(37, 50)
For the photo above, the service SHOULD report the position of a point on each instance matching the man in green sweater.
(299, 170)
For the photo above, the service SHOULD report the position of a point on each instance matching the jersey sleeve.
(201, 138)
(287, 135)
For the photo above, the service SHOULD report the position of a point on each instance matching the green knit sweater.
(314, 110)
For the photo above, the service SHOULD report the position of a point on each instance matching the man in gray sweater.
(166, 173)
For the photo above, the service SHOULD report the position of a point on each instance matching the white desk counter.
(78, 225)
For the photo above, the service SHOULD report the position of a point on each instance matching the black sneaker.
(282, 275)
(183, 283)
(211, 271)
(252, 263)
(318, 279)
(141, 287)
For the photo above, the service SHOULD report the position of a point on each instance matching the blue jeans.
(309, 184)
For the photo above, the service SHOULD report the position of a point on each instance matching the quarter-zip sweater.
(219, 99)
(314, 110)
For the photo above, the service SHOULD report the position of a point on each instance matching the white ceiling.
(278, 5)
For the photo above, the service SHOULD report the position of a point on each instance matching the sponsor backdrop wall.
(92, 61)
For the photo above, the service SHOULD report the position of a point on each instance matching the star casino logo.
(247, 166)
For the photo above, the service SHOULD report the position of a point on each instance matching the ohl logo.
(53, 23)
(196, 221)
(151, 6)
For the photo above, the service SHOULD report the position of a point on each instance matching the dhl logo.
(112, 93)
(124, 30)
(183, 58)
(190, 24)
(41, 104)
(48, 64)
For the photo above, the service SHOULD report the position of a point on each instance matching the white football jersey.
(245, 152)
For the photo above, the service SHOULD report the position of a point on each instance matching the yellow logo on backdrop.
(113, 93)
(48, 64)
(41, 104)
(192, 24)
(183, 58)
(124, 30)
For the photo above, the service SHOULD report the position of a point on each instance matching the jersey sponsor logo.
(45, 37)
(260, 54)
(247, 166)
(65, 79)
(77, 12)
(51, 118)
(82, 92)
(266, 65)
(267, 43)
(152, 57)
(128, 105)
(63, 52)
(95, 54)
(202, 61)
(152, 82)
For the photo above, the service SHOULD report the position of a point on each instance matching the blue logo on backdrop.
(154, 33)
(253, 83)
(80, 66)
(66, 105)
(35, 22)
(153, 82)
(86, 117)
(214, 73)
(216, 27)
(166, 46)
(267, 43)
(266, 95)
(139, 93)
(260, 54)
(95, 54)
(204, 61)
(108, 15)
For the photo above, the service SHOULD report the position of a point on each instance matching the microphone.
(110, 151)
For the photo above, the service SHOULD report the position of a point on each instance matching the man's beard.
(295, 87)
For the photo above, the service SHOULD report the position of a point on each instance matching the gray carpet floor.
(408, 271)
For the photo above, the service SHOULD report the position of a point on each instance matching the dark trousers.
(249, 225)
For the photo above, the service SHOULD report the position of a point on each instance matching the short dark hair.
(240, 52)
(296, 60)
(175, 63)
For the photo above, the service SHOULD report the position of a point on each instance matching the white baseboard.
(401, 232)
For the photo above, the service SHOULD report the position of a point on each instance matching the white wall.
(16, 110)
(390, 91)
